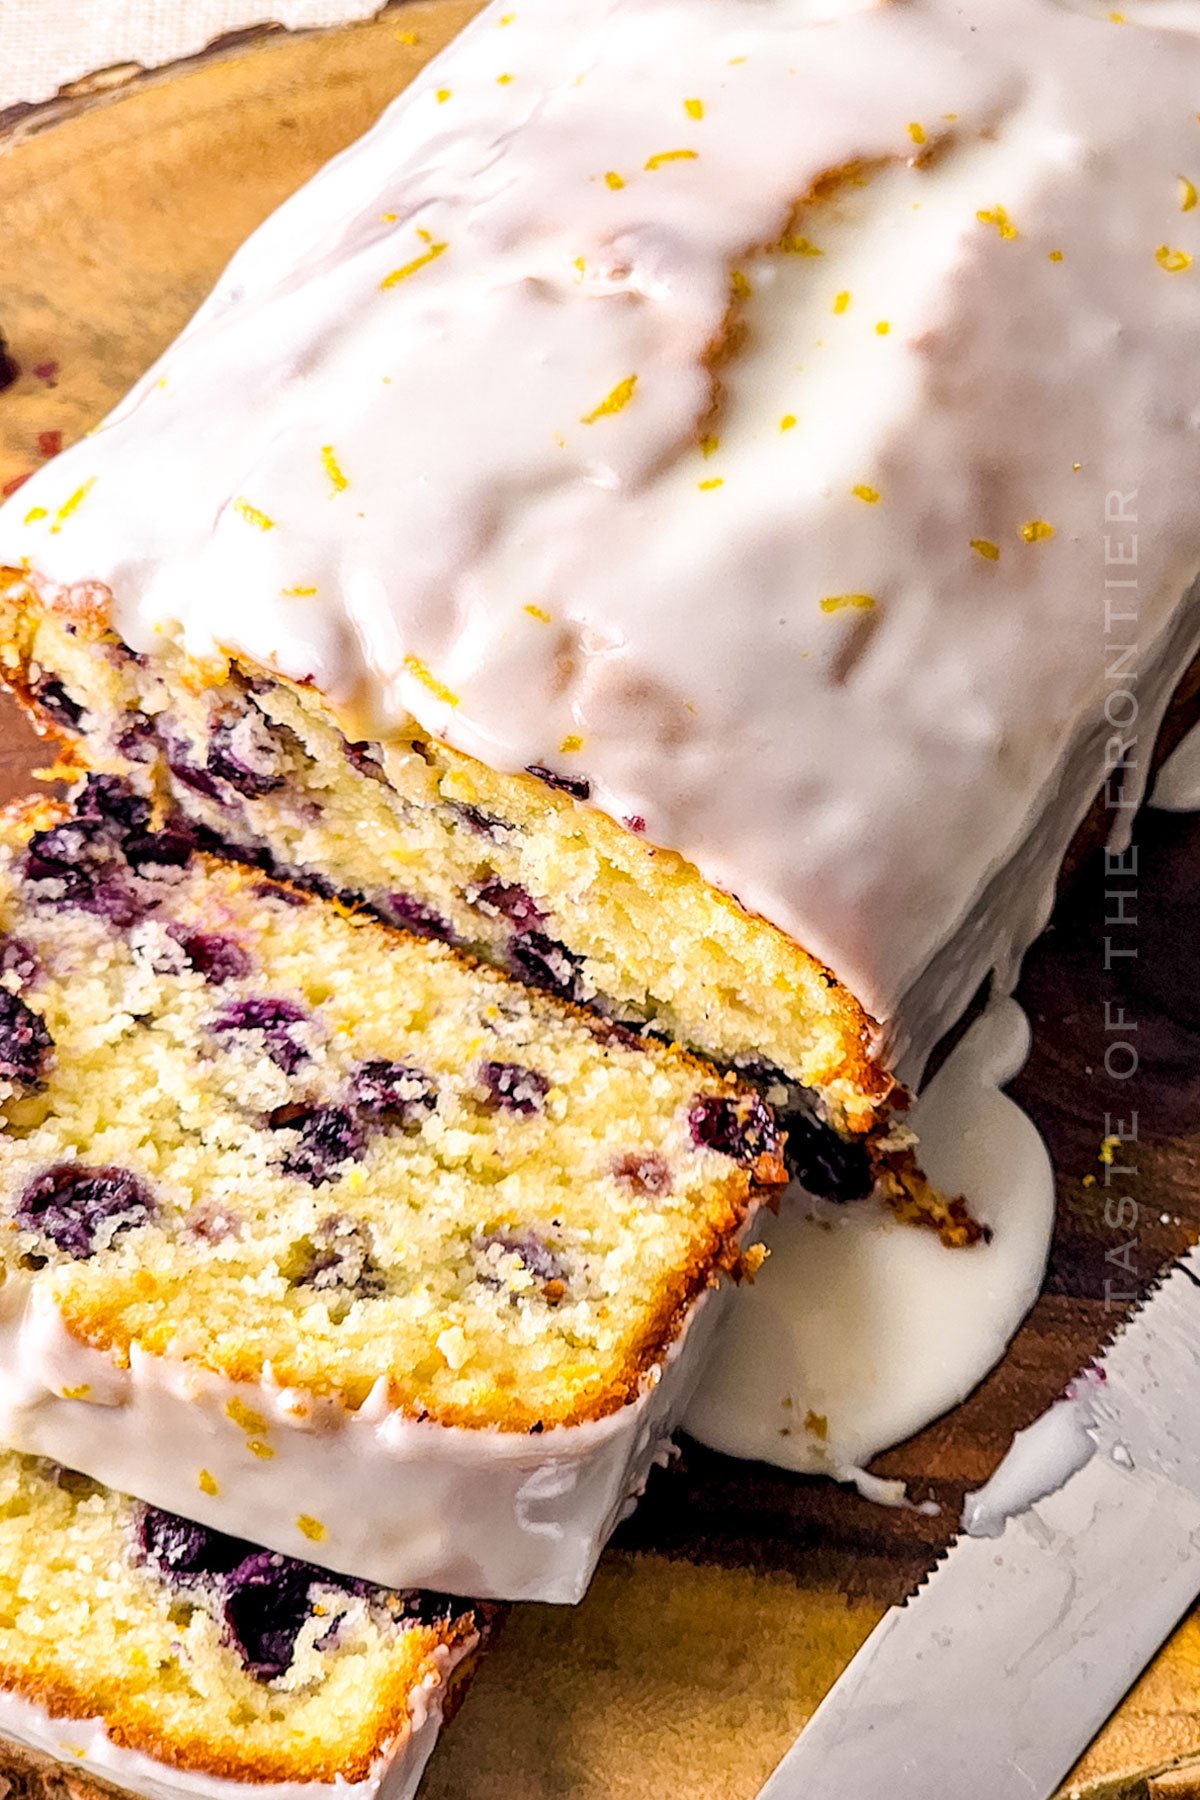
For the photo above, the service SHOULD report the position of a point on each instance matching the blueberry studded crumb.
(84, 861)
(108, 797)
(80, 1210)
(138, 741)
(68, 852)
(393, 1093)
(643, 1172)
(25, 1041)
(263, 1599)
(510, 1087)
(578, 786)
(186, 772)
(276, 1019)
(328, 1137)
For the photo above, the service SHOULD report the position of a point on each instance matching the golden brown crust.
(718, 1253)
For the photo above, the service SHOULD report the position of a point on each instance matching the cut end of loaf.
(202, 1652)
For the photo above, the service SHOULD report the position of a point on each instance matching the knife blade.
(993, 1677)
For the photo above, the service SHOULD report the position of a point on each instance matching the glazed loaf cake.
(318, 1233)
(642, 513)
(171, 1661)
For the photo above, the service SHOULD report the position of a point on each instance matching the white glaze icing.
(867, 1329)
(394, 373)
(85, 1746)
(1177, 784)
(484, 1513)
(1039, 1461)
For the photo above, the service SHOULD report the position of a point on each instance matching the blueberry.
(191, 777)
(137, 741)
(329, 1138)
(393, 1092)
(833, 1167)
(513, 1088)
(25, 1042)
(643, 1172)
(245, 754)
(184, 1551)
(265, 1599)
(512, 902)
(267, 1603)
(111, 899)
(535, 1255)
(276, 1019)
(544, 962)
(740, 1126)
(9, 372)
(217, 958)
(80, 856)
(57, 704)
(150, 851)
(577, 785)
(81, 1209)
(815, 1155)
(108, 797)
(62, 852)
(415, 916)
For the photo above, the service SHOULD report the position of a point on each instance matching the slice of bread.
(264, 1141)
(516, 868)
(153, 1653)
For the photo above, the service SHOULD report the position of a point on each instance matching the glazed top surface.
(721, 400)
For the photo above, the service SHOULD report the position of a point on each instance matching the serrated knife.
(989, 1682)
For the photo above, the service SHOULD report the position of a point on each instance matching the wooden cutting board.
(737, 1593)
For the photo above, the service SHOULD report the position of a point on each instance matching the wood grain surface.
(736, 1594)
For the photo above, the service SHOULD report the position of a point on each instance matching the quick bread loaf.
(641, 514)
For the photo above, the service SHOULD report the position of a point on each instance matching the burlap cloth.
(46, 44)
